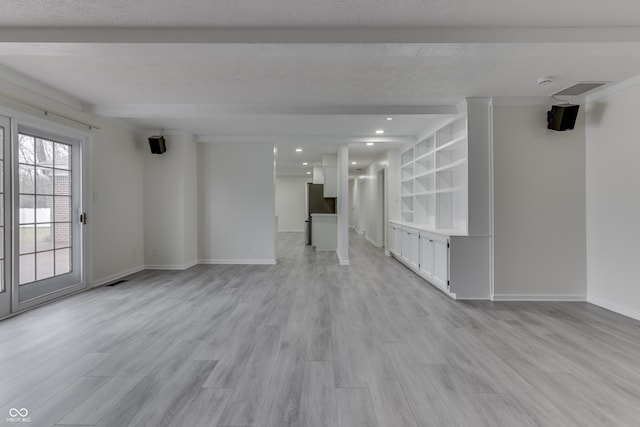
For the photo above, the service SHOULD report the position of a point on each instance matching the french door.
(5, 241)
(41, 242)
(47, 233)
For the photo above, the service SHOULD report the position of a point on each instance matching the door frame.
(50, 127)
(6, 297)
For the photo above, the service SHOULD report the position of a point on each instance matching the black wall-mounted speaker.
(157, 144)
(562, 117)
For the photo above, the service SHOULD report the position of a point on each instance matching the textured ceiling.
(268, 13)
(312, 73)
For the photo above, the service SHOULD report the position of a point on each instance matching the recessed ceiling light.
(389, 118)
(354, 163)
(308, 173)
(369, 144)
(299, 150)
(304, 163)
(379, 131)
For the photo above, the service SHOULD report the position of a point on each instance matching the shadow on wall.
(595, 113)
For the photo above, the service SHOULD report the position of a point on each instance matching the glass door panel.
(5, 284)
(48, 242)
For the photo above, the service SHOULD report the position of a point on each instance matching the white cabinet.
(440, 276)
(395, 240)
(330, 181)
(445, 186)
(457, 265)
(434, 259)
(427, 248)
(330, 174)
(324, 231)
(411, 247)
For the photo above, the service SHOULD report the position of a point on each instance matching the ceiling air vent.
(579, 88)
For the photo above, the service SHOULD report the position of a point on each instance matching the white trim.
(115, 277)
(238, 261)
(522, 101)
(616, 308)
(539, 297)
(171, 266)
(373, 242)
(341, 260)
(610, 90)
(290, 231)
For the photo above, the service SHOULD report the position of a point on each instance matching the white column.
(343, 205)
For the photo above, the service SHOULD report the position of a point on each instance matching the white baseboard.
(616, 308)
(341, 260)
(290, 231)
(373, 242)
(117, 276)
(238, 261)
(539, 297)
(171, 266)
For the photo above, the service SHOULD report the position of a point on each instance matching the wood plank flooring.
(309, 343)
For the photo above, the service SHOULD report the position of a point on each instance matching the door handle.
(83, 218)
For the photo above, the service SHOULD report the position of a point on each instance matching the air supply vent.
(579, 88)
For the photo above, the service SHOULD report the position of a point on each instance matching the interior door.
(47, 211)
(5, 282)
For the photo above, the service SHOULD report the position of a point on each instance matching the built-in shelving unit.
(433, 187)
(441, 232)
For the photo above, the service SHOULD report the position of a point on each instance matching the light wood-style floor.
(311, 343)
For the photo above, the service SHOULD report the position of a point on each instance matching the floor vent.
(579, 88)
(117, 282)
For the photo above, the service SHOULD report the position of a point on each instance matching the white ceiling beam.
(304, 139)
(321, 35)
(207, 110)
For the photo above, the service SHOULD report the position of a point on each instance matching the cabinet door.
(330, 181)
(440, 275)
(414, 242)
(426, 257)
(394, 240)
(405, 249)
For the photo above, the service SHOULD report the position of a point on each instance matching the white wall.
(365, 196)
(613, 201)
(170, 204)
(116, 216)
(290, 202)
(236, 187)
(114, 173)
(539, 206)
(342, 205)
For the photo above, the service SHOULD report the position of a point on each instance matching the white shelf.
(449, 144)
(457, 163)
(434, 180)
